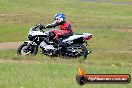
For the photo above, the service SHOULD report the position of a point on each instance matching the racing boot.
(58, 43)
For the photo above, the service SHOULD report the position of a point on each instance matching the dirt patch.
(9, 45)
(124, 30)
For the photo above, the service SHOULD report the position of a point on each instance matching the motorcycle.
(41, 39)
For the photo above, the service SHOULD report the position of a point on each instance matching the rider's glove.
(45, 27)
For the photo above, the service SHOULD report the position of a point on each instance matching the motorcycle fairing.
(73, 37)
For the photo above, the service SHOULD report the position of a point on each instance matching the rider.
(65, 29)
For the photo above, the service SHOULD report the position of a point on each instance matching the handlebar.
(40, 26)
(35, 28)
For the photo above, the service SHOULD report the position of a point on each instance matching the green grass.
(13, 33)
(16, 17)
(111, 46)
(54, 74)
(43, 71)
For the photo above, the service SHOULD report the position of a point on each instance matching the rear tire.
(22, 51)
(85, 51)
(77, 50)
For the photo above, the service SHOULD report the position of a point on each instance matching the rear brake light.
(87, 37)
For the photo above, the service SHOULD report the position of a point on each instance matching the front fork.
(29, 45)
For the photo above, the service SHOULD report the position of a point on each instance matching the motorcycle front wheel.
(25, 49)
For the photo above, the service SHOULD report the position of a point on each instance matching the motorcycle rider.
(65, 29)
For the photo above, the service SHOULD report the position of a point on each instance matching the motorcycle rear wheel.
(78, 50)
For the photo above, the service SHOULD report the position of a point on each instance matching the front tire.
(22, 50)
